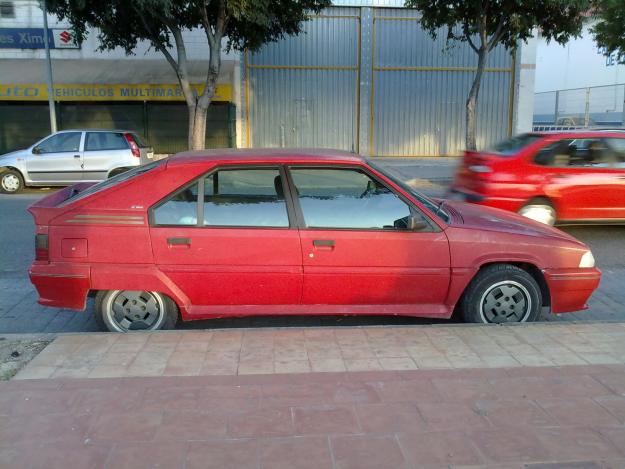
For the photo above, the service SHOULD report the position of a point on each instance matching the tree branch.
(156, 41)
(496, 35)
(467, 34)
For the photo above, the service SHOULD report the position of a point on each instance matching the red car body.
(109, 240)
(583, 186)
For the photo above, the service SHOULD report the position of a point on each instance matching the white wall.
(577, 64)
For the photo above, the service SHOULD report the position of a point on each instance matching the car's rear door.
(57, 159)
(232, 245)
(356, 246)
(104, 151)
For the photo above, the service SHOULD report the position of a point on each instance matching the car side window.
(617, 145)
(97, 141)
(576, 153)
(348, 198)
(179, 209)
(63, 142)
(245, 197)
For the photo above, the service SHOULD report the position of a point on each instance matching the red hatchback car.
(563, 177)
(236, 233)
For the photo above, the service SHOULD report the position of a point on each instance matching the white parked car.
(72, 156)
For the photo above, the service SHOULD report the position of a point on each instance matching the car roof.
(94, 130)
(589, 132)
(265, 154)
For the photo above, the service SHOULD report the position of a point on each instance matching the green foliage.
(246, 23)
(491, 22)
(609, 31)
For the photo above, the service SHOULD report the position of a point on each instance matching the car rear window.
(513, 145)
(97, 141)
(125, 176)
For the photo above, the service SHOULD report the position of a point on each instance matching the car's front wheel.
(128, 311)
(11, 182)
(501, 293)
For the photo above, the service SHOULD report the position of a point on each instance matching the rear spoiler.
(46, 209)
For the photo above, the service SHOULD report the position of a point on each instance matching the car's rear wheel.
(128, 311)
(11, 182)
(540, 210)
(501, 293)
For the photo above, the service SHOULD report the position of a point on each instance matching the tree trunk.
(197, 127)
(472, 100)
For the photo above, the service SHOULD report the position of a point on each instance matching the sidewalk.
(533, 396)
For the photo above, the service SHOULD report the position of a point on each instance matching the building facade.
(363, 77)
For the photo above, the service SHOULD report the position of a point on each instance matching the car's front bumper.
(571, 288)
(61, 285)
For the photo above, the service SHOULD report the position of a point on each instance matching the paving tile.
(439, 449)
(362, 364)
(449, 416)
(223, 454)
(516, 444)
(362, 452)
(147, 455)
(408, 391)
(295, 453)
(159, 398)
(126, 427)
(327, 364)
(510, 412)
(77, 455)
(264, 422)
(458, 389)
(399, 417)
(401, 363)
(538, 387)
(186, 425)
(613, 404)
(571, 443)
(577, 411)
(34, 371)
(292, 366)
(347, 391)
(46, 428)
(327, 419)
(297, 394)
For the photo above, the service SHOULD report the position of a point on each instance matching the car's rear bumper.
(61, 285)
(510, 204)
(571, 288)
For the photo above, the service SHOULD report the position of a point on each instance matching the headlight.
(587, 260)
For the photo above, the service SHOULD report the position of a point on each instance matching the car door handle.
(323, 243)
(179, 242)
(76, 156)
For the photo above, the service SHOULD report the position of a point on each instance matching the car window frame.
(290, 209)
(127, 147)
(81, 142)
(555, 142)
(412, 207)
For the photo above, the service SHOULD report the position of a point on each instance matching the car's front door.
(232, 245)
(357, 248)
(585, 177)
(57, 159)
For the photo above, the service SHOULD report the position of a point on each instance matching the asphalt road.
(17, 251)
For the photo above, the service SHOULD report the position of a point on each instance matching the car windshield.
(435, 208)
(139, 140)
(513, 145)
(125, 176)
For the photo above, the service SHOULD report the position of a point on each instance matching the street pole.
(46, 43)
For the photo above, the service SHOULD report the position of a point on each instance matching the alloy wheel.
(134, 310)
(506, 301)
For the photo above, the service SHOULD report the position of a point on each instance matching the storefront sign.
(87, 92)
(32, 38)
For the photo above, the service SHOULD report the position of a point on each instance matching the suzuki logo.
(65, 37)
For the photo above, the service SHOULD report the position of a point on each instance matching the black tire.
(501, 293)
(151, 311)
(549, 216)
(116, 171)
(11, 181)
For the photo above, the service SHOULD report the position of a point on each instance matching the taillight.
(41, 247)
(134, 148)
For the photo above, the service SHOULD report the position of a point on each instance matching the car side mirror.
(416, 224)
(36, 151)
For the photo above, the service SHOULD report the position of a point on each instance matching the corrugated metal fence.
(372, 80)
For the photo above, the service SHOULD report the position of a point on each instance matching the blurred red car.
(235, 233)
(555, 177)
